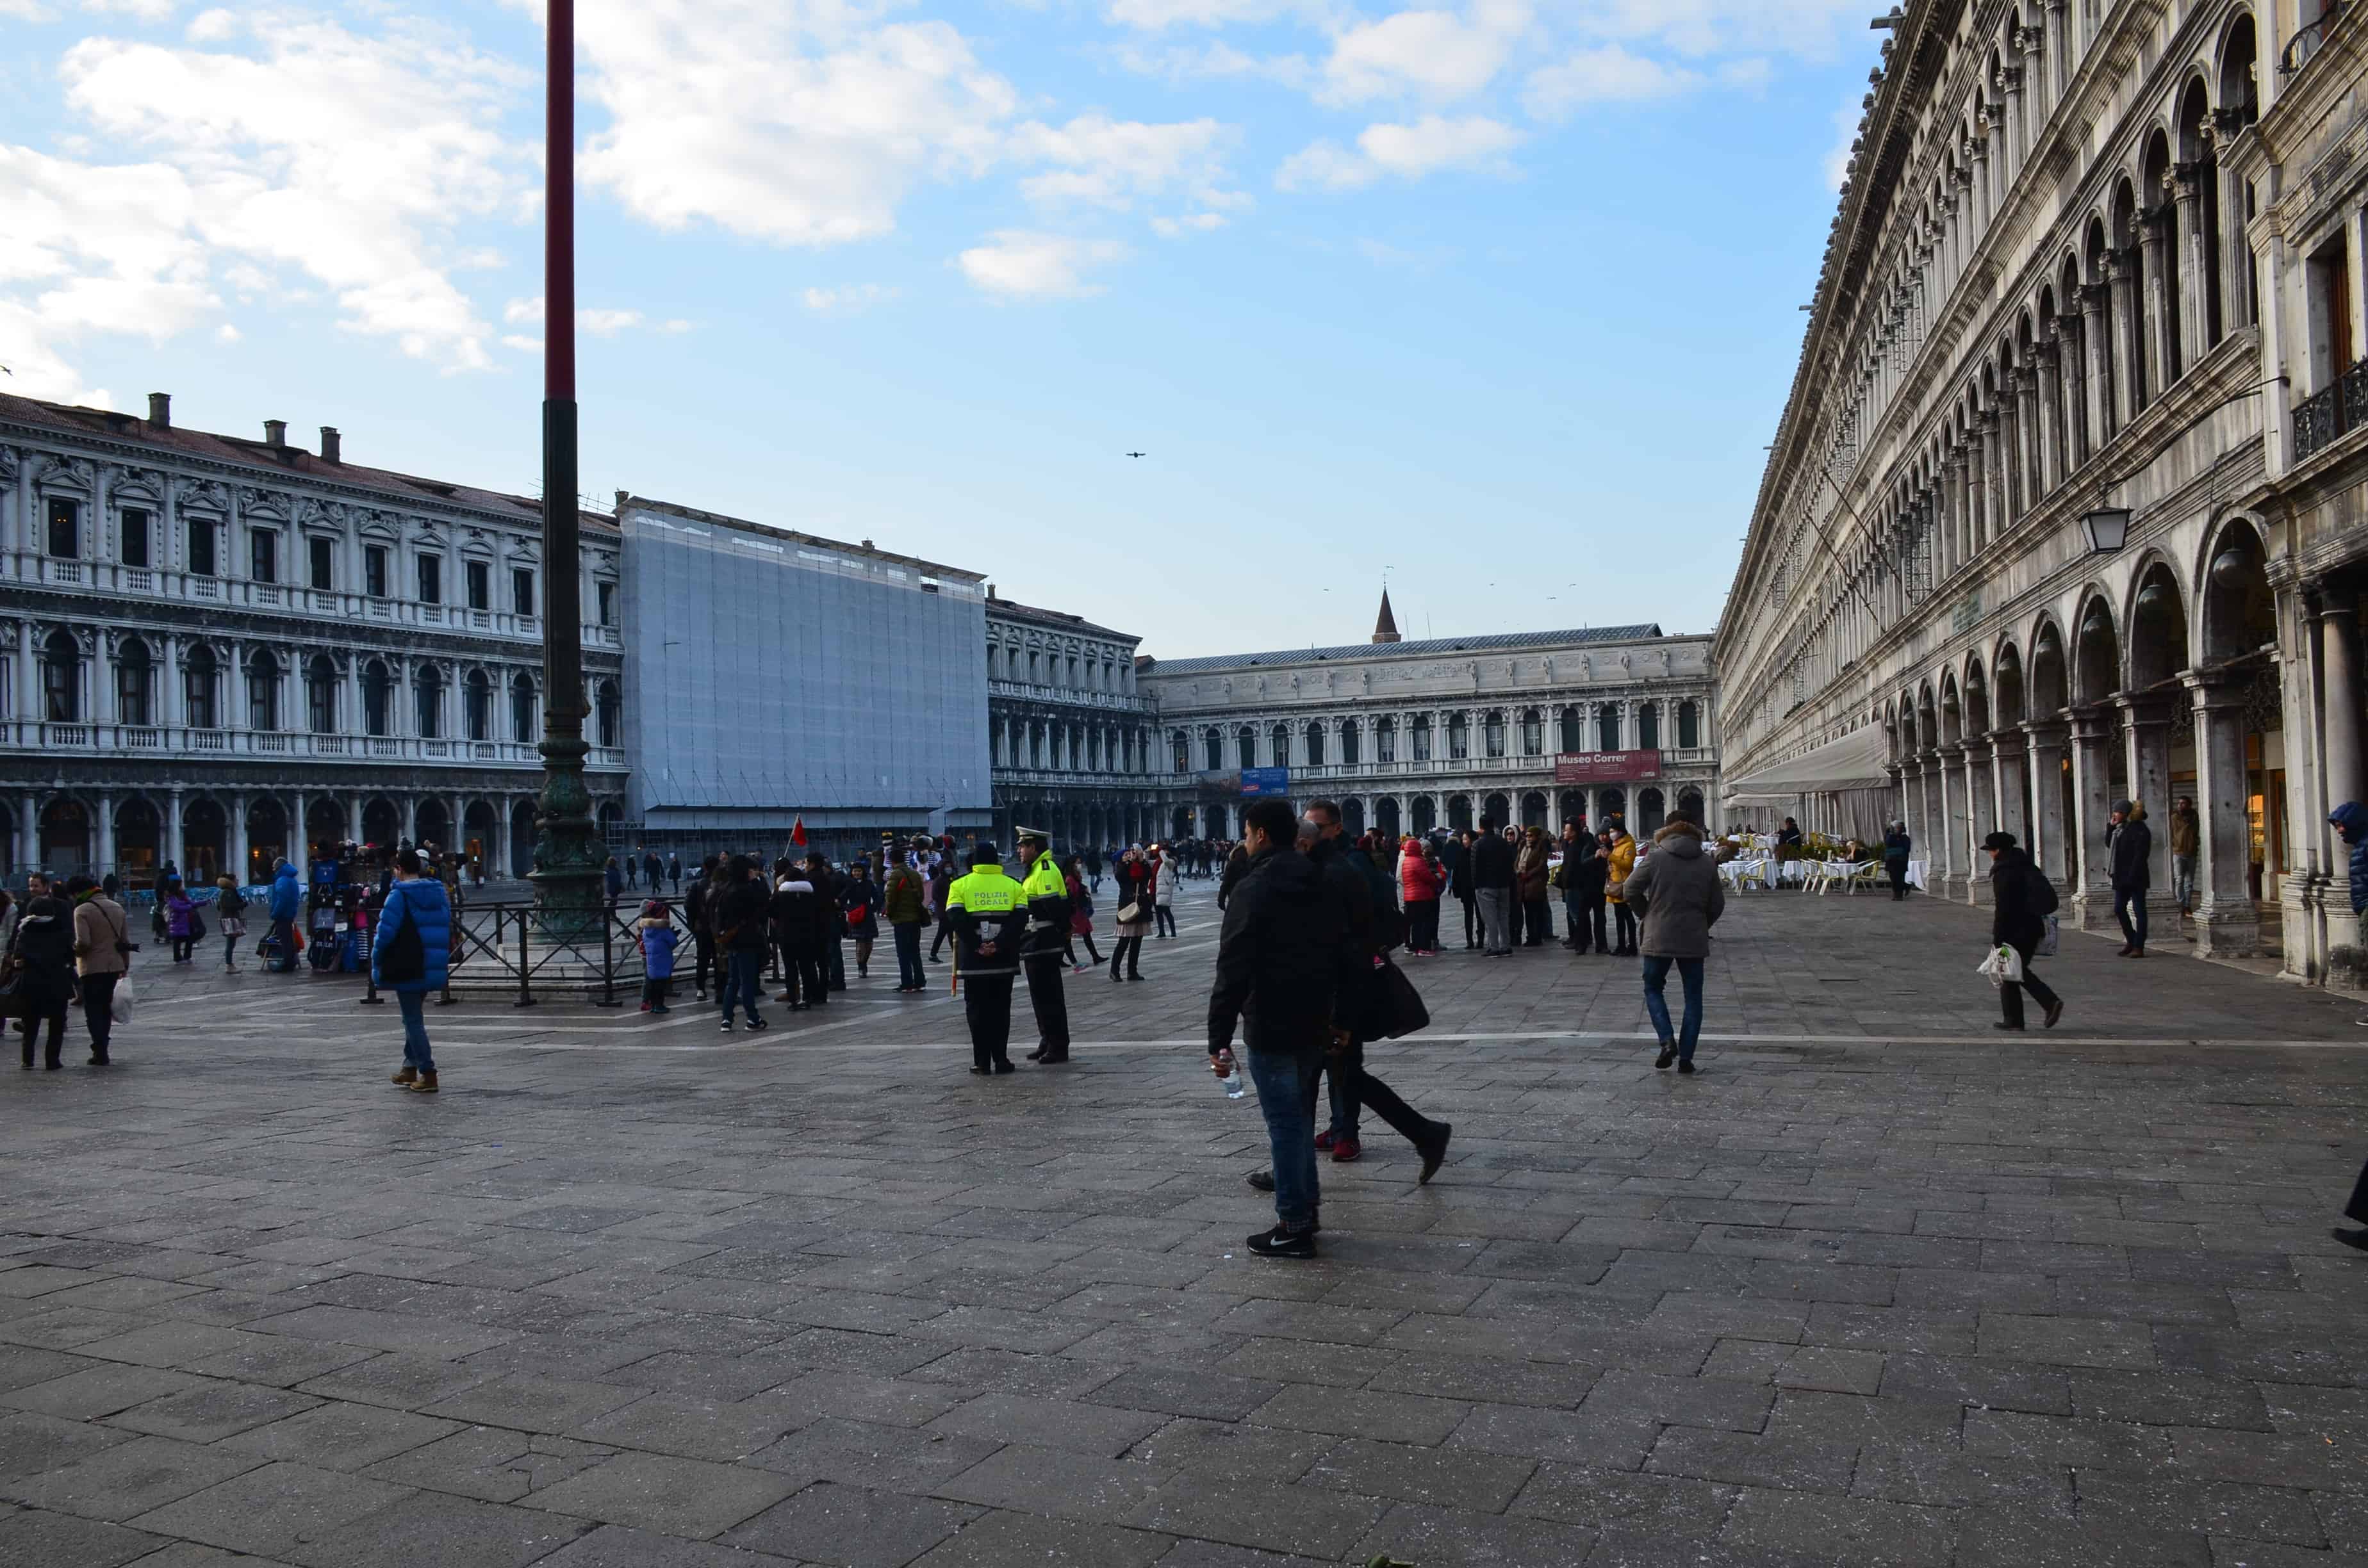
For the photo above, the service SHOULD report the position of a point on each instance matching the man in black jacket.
(2129, 842)
(1492, 884)
(2020, 901)
(741, 912)
(1283, 956)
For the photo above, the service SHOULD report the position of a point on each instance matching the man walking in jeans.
(1281, 957)
(1677, 889)
(2129, 844)
(1492, 884)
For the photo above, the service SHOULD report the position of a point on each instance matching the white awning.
(1857, 761)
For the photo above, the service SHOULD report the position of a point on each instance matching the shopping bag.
(1398, 1009)
(119, 1009)
(2046, 948)
(2001, 967)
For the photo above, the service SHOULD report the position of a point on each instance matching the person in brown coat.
(1530, 886)
(1677, 891)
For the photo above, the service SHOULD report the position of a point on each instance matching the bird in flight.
(1138, 454)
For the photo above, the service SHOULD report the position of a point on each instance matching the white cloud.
(1440, 56)
(600, 321)
(1707, 28)
(1099, 162)
(213, 27)
(801, 123)
(847, 298)
(522, 343)
(1837, 156)
(1153, 15)
(518, 310)
(25, 10)
(607, 323)
(1019, 265)
(1407, 152)
(145, 10)
(1606, 75)
(226, 334)
(1191, 222)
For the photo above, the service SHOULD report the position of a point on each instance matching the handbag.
(196, 927)
(1132, 913)
(1397, 1006)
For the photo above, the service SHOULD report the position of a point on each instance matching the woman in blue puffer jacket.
(411, 955)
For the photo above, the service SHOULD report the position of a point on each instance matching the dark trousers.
(1050, 1004)
(283, 951)
(98, 1011)
(739, 986)
(1538, 920)
(1471, 920)
(1353, 1088)
(1626, 919)
(1587, 927)
(1166, 923)
(1092, 954)
(1898, 870)
(181, 949)
(2010, 994)
(653, 990)
(706, 963)
(2358, 1207)
(986, 1005)
(1126, 954)
(908, 954)
(834, 963)
(1422, 924)
(801, 978)
(32, 1025)
(2129, 908)
(945, 934)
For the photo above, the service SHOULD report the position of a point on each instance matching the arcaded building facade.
(2063, 507)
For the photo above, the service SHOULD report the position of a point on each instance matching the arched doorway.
(2239, 640)
(139, 843)
(612, 818)
(1610, 804)
(1352, 816)
(1573, 806)
(382, 824)
(480, 824)
(1533, 810)
(324, 827)
(65, 837)
(522, 837)
(1650, 814)
(1425, 812)
(1180, 823)
(1459, 812)
(1497, 810)
(1690, 806)
(431, 824)
(205, 835)
(267, 837)
(1386, 815)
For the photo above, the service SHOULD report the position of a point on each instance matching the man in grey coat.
(1676, 888)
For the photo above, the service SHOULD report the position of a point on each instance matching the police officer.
(1046, 893)
(989, 919)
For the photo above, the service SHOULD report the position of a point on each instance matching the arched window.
(135, 683)
(321, 696)
(608, 713)
(522, 709)
(1573, 728)
(200, 690)
(262, 691)
(1648, 727)
(1689, 725)
(1533, 733)
(1493, 733)
(1246, 746)
(1385, 740)
(1280, 739)
(1351, 738)
(1607, 727)
(428, 692)
(1421, 738)
(1316, 745)
(1459, 738)
(378, 699)
(1182, 749)
(61, 679)
(480, 706)
(1212, 749)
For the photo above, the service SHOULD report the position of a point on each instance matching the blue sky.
(1501, 298)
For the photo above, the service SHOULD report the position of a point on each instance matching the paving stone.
(1461, 1478)
(1003, 1539)
(849, 1527)
(1048, 1422)
(2068, 1342)
(432, 1528)
(341, 1436)
(31, 1444)
(270, 1510)
(1175, 1392)
(1609, 1440)
(532, 1404)
(399, 1382)
(614, 1546)
(1694, 1401)
(98, 1390)
(1062, 1484)
(1843, 1529)
(866, 1453)
(1780, 1463)
(128, 1479)
(212, 1409)
(1406, 1418)
(1607, 1499)
(2211, 1507)
(489, 1463)
(1454, 1538)
(1270, 1516)
(671, 1495)
(39, 1538)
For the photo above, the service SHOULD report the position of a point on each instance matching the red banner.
(1607, 766)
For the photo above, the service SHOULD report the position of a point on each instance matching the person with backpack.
(231, 904)
(411, 955)
(2022, 898)
(179, 911)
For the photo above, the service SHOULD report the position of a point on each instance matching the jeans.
(1497, 918)
(2130, 909)
(415, 1030)
(740, 967)
(2182, 879)
(707, 964)
(909, 955)
(1656, 1007)
(801, 978)
(229, 950)
(2011, 995)
(1286, 1085)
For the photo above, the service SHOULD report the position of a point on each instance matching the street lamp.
(567, 875)
(2108, 528)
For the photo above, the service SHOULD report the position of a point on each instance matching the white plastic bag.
(120, 1009)
(2001, 967)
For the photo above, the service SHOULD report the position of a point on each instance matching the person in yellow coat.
(1620, 849)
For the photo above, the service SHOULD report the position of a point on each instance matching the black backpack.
(2042, 891)
(405, 958)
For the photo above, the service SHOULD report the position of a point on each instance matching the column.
(2007, 782)
(2031, 450)
(299, 842)
(1932, 839)
(2339, 711)
(2160, 256)
(1951, 872)
(28, 839)
(2000, 509)
(2096, 359)
(2072, 427)
(234, 840)
(2045, 764)
(2226, 922)
(1981, 816)
(171, 847)
(2145, 734)
(1911, 801)
(103, 838)
(2129, 332)
(2090, 904)
(1977, 487)
(2050, 402)
(2195, 272)
(354, 818)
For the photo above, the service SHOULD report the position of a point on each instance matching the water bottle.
(1234, 1088)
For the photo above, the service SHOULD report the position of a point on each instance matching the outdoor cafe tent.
(1843, 788)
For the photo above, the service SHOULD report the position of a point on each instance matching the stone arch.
(2239, 614)
(2157, 619)
(1953, 710)
(381, 822)
(139, 841)
(2095, 657)
(1977, 699)
(1424, 812)
(2050, 684)
(325, 823)
(2007, 706)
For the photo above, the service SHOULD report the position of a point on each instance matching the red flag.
(798, 830)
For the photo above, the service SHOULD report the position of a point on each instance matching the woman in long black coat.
(44, 946)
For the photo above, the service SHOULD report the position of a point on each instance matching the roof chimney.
(160, 409)
(990, 590)
(329, 444)
(275, 433)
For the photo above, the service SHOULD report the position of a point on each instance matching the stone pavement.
(1878, 1286)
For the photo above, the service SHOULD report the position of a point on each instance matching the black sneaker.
(727, 1026)
(1685, 1066)
(756, 1026)
(2356, 1240)
(1260, 1181)
(1282, 1243)
(1434, 1151)
(1003, 1067)
(1669, 1055)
